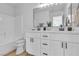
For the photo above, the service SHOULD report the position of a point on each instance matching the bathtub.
(7, 46)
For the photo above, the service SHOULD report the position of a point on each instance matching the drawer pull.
(44, 43)
(45, 36)
(45, 54)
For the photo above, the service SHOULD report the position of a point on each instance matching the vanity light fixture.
(43, 5)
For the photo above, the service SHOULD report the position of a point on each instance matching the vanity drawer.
(44, 51)
(45, 36)
(44, 43)
(44, 54)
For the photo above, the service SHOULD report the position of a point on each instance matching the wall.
(25, 13)
(7, 9)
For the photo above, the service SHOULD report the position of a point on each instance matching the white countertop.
(58, 32)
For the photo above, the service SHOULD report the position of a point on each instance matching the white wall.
(19, 27)
(25, 13)
(7, 9)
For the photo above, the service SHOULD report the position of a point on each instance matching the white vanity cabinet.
(33, 43)
(53, 43)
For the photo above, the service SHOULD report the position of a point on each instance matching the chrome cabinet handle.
(45, 53)
(62, 44)
(31, 40)
(44, 43)
(66, 45)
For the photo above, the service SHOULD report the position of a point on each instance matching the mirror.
(55, 14)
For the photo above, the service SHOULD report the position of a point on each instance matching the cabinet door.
(56, 48)
(28, 45)
(72, 49)
(35, 46)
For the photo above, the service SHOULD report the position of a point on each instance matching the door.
(56, 48)
(72, 49)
